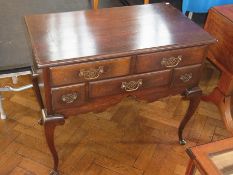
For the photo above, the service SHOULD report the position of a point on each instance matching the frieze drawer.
(68, 96)
(129, 83)
(76, 73)
(169, 59)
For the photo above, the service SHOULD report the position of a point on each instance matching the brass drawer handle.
(171, 62)
(186, 77)
(69, 98)
(131, 86)
(92, 73)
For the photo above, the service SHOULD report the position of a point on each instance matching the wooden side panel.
(222, 28)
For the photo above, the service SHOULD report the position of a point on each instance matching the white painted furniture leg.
(190, 15)
(9, 89)
(14, 79)
(2, 112)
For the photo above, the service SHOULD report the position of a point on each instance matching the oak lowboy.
(89, 60)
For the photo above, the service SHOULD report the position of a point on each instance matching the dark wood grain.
(70, 74)
(100, 104)
(59, 95)
(70, 37)
(186, 76)
(36, 89)
(114, 86)
(126, 42)
(45, 76)
(153, 61)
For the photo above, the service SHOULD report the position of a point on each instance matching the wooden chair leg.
(190, 169)
(215, 96)
(224, 104)
(95, 4)
(221, 96)
(225, 109)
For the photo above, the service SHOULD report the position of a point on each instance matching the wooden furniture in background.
(96, 3)
(89, 60)
(212, 159)
(220, 25)
(200, 6)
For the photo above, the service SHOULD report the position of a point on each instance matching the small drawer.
(76, 73)
(129, 83)
(68, 96)
(169, 59)
(187, 76)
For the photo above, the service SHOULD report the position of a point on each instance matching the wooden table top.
(79, 36)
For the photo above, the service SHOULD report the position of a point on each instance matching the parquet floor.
(131, 138)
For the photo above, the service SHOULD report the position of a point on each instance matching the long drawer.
(169, 59)
(129, 84)
(97, 70)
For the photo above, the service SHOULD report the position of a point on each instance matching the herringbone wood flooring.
(131, 138)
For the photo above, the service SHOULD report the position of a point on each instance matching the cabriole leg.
(50, 122)
(194, 96)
